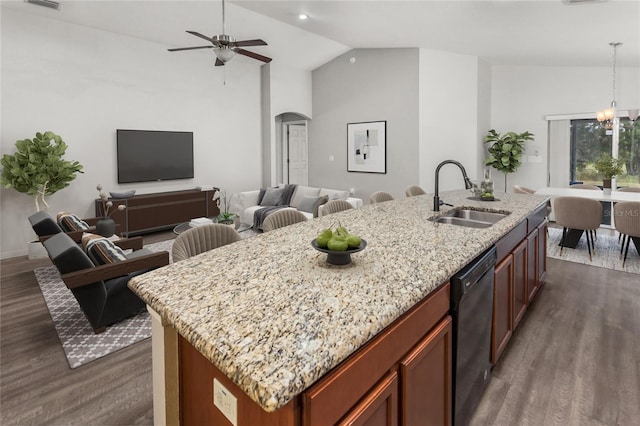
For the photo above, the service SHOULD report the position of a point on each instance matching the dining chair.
(281, 218)
(627, 222)
(629, 189)
(585, 186)
(202, 238)
(519, 189)
(335, 206)
(380, 197)
(413, 190)
(580, 214)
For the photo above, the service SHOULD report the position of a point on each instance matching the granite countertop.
(274, 316)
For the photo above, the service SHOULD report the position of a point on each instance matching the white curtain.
(559, 153)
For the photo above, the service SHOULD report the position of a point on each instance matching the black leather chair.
(101, 291)
(45, 226)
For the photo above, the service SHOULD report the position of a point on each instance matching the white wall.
(84, 84)
(523, 96)
(289, 91)
(379, 85)
(449, 103)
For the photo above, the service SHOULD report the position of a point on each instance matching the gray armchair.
(101, 291)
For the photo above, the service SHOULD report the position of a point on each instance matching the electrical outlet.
(226, 402)
(331, 158)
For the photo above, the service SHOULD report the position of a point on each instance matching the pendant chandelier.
(607, 115)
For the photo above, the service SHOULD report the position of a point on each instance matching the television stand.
(159, 211)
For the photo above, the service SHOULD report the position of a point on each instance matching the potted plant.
(106, 226)
(225, 217)
(505, 152)
(37, 167)
(609, 168)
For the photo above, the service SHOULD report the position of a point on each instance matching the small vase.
(106, 227)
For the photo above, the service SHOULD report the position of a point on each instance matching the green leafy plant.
(220, 197)
(608, 166)
(505, 152)
(37, 168)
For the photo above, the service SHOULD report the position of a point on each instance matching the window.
(589, 139)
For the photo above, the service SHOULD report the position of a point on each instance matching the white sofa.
(245, 204)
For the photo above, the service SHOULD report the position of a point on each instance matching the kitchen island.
(275, 322)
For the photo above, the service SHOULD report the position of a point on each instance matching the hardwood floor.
(573, 360)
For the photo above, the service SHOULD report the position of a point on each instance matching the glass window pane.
(629, 150)
(588, 140)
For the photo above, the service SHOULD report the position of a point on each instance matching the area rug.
(607, 252)
(80, 344)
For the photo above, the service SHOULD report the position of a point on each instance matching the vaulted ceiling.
(540, 32)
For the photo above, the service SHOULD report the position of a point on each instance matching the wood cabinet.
(426, 375)
(418, 344)
(520, 295)
(379, 407)
(519, 273)
(502, 325)
(154, 212)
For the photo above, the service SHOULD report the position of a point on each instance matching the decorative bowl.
(339, 257)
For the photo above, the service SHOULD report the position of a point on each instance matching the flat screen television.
(151, 155)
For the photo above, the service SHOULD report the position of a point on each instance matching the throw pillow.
(102, 251)
(334, 195)
(70, 222)
(87, 237)
(287, 194)
(261, 195)
(300, 193)
(311, 204)
(272, 197)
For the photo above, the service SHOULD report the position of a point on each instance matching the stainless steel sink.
(470, 218)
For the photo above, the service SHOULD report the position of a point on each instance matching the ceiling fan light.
(224, 53)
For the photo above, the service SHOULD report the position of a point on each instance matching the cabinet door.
(379, 407)
(532, 264)
(520, 295)
(502, 325)
(426, 375)
(542, 254)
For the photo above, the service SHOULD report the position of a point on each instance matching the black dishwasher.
(471, 310)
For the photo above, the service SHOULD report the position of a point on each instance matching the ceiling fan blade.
(256, 42)
(190, 48)
(252, 55)
(219, 63)
(197, 34)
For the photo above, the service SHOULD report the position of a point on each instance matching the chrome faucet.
(467, 182)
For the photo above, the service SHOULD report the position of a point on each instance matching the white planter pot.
(36, 250)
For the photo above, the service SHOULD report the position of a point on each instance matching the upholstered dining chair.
(335, 206)
(629, 189)
(202, 238)
(580, 214)
(413, 190)
(585, 186)
(281, 218)
(519, 189)
(627, 221)
(380, 197)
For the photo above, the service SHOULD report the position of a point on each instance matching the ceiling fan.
(225, 47)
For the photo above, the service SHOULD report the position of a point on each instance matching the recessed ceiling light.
(303, 16)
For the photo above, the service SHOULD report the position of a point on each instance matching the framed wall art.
(367, 147)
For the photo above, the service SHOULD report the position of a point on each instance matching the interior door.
(297, 154)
